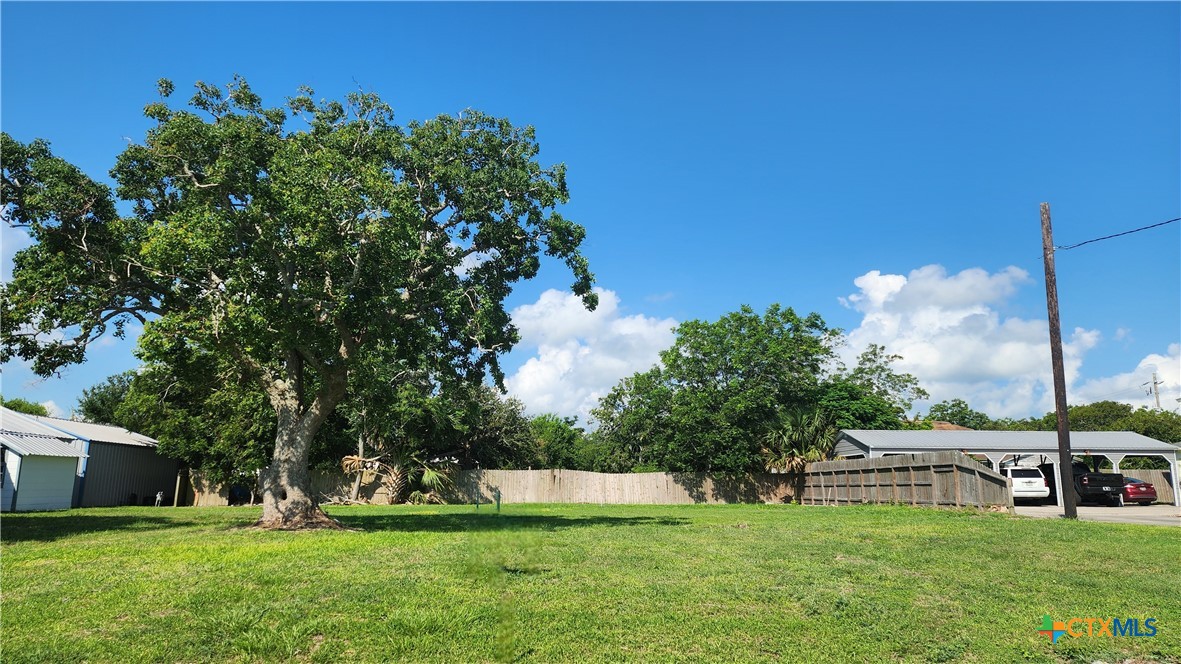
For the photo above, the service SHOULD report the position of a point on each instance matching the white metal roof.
(104, 433)
(1032, 442)
(27, 444)
(12, 421)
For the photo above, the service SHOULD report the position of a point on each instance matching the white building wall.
(45, 483)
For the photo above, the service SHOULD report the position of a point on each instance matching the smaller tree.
(561, 443)
(958, 412)
(1097, 416)
(852, 406)
(406, 476)
(24, 406)
(720, 388)
(221, 427)
(875, 374)
(1161, 425)
(100, 404)
(493, 432)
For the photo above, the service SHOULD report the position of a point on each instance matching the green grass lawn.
(579, 583)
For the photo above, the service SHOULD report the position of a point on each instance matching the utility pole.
(1154, 390)
(1065, 459)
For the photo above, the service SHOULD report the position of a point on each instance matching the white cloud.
(952, 338)
(1134, 387)
(580, 354)
(53, 408)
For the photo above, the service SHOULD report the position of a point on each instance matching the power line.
(1108, 237)
(1118, 393)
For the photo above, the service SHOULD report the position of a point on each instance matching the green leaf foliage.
(719, 391)
(563, 444)
(25, 406)
(876, 377)
(801, 438)
(224, 428)
(475, 426)
(204, 414)
(849, 405)
(1158, 424)
(724, 387)
(491, 431)
(101, 402)
(957, 411)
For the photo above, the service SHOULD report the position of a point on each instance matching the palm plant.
(801, 438)
(400, 470)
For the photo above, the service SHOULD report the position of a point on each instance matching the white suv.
(1027, 483)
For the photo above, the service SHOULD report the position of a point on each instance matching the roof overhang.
(34, 445)
(996, 443)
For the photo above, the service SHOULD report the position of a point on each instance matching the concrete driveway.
(1153, 515)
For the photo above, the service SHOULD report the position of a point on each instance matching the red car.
(1138, 491)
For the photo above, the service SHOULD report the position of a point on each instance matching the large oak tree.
(297, 242)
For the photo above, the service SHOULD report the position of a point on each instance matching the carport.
(997, 446)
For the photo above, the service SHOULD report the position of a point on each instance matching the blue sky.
(881, 164)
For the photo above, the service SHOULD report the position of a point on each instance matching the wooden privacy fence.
(922, 479)
(577, 486)
(327, 486)
(940, 479)
(936, 478)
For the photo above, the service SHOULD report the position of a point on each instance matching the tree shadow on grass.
(491, 521)
(50, 527)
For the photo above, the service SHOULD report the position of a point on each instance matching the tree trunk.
(288, 502)
(356, 492)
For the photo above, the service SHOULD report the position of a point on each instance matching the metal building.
(116, 466)
(36, 472)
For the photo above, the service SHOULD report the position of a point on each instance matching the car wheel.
(1146, 504)
(1117, 501)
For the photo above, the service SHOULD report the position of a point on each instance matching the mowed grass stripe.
(579, 583)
